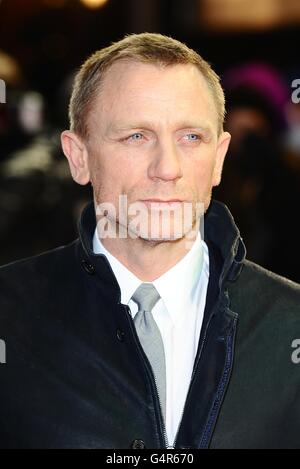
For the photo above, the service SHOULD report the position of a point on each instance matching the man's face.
(153, 135)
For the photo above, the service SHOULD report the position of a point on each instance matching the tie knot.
(146, 296)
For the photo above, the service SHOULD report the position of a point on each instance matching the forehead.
(135, 89)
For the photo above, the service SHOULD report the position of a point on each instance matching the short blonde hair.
(147, 48)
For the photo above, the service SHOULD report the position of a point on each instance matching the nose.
(166, 164)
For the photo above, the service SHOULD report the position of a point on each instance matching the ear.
(222, 147)
(76, 152)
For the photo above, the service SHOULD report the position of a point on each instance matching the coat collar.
(220, 231)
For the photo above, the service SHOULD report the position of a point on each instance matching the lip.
(162, 201)
(162, 204)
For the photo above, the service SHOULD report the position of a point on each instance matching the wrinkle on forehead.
(131, 89)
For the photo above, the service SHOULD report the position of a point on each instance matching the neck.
(139, 255)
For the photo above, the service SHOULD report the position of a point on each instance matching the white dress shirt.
(178, 314)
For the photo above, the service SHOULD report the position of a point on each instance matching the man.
(151, 330)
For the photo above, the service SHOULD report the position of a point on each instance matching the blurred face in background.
(242, 121)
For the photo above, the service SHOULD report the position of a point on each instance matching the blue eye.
(137, 134)
(195, 137)
(137, 137)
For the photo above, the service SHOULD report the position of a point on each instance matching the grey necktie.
(146, 296)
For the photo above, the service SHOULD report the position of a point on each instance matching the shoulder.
(28, 278)
(39, 262)
(257, 277)
(265, 293)
(33, 294)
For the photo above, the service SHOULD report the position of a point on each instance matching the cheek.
(107, 167)
(202, 173)
(115, 174)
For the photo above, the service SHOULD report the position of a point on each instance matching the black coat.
(76, 375)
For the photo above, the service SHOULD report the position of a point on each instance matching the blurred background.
(252, 44)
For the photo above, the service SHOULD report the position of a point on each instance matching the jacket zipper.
(167, 446)
(149, 368)
(162, 419)
(193, 374)
(224, 380)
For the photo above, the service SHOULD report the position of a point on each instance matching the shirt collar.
(182, 278)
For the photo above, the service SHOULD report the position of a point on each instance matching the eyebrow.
(122, 126)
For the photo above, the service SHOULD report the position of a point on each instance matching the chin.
(161, 237)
